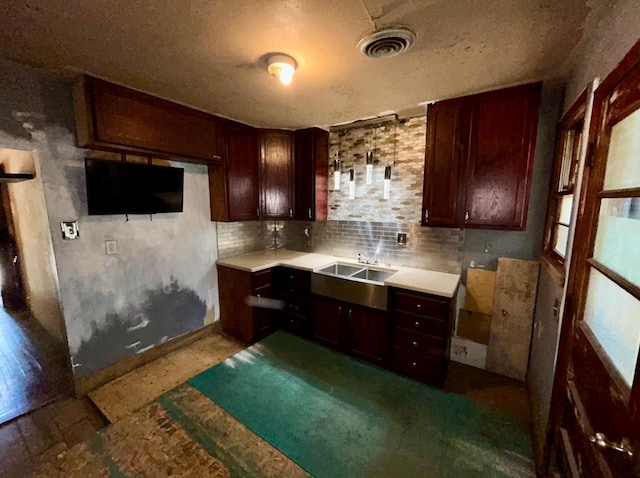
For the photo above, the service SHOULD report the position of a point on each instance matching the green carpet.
(338, 417)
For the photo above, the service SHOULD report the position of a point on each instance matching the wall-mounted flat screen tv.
(117, 187)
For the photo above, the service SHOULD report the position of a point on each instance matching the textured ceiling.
(210, 53)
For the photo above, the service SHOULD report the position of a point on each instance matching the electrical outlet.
(402, 239)
(111, 247)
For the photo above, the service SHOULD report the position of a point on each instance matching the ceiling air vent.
(386, 43)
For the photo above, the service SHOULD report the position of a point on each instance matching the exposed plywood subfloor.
(143, 385)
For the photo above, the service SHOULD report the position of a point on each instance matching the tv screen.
(115, 187)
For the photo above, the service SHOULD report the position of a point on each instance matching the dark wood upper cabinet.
(114, 118)
(502, 141)
(441, 202)
(479, 159)
(276, 174)
(311, 174)
(234, 184)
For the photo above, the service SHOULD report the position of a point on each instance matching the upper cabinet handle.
(309, 213)
(290, 212)
(426, 215)
(466, 216)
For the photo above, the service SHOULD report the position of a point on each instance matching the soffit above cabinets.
(212, 54)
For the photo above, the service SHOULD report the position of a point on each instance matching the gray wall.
(542, 355)
(161, 284)
(609, 32)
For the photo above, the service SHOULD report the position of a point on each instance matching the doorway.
(34, 357)
(599, 369)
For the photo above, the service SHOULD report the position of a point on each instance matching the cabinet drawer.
(421, 305)
(265, 292)
(418, 367)
(425, 325)
(424, 345)
(262, 278)
(294, 278)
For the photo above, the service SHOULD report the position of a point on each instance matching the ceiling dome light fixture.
(282, 67)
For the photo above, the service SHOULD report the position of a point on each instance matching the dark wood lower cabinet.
(293, 287)
(359, 331)
(412, 338)
(241, 318)
(368, 334)
(422, 328)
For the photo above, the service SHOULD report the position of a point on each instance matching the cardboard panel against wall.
(480, 290)
(512, 322)
(474, 326)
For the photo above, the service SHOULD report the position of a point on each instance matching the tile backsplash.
(235, 238)
(400, 145)
(426, 248)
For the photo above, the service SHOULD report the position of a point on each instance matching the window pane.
(623, 167)
(613, 315)
(565, 209)
(562, 237)
(618, 238)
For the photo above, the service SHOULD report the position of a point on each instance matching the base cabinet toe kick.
(412, 337)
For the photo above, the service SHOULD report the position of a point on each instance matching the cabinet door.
(502, 139)
(311, 174)
(242, 171)
(115, 117)
(441, 198)
(276, 174)
(368, 333)
(264, 318)
(327, 322)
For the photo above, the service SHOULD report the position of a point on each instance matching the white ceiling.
(210, 53)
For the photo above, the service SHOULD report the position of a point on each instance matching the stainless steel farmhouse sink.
(361, 285)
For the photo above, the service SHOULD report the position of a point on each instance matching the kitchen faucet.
(362, 259)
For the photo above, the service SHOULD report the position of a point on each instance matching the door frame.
(582, 245)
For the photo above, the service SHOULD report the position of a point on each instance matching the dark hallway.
(33, 365)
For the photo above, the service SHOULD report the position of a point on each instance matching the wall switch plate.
(70, 230)
(111, 247)
(402, 239)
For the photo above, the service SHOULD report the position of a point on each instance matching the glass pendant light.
(336, 174)
(387, 182)
(352, 183)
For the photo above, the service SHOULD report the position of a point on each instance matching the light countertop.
(419, 280)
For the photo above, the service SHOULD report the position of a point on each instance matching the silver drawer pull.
(601, 441)
(417, 324)
(414, 364)
(415, 344)
(419, 306)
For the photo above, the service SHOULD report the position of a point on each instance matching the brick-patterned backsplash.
(426, 248)
(236, 238)
(404, 205)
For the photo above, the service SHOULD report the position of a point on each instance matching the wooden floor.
(40, 436)
(33, 366)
